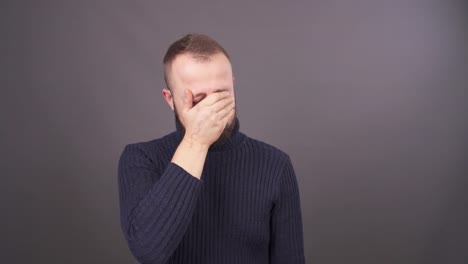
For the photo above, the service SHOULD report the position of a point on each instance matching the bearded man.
(207, 193)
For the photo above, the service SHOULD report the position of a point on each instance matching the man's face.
(202, 78)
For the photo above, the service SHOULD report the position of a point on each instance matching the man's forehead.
(185, 62)
(189, 70)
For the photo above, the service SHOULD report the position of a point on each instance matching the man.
(207, 193)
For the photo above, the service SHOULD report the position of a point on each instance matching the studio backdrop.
(369, 99)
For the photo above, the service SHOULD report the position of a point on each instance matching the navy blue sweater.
(245, 208)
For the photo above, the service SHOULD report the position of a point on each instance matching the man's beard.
(225, 135)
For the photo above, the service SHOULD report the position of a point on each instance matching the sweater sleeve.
(286, 236)
(156, 204)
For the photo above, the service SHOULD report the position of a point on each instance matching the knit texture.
(245, 208)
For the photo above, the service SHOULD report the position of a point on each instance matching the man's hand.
(205, 121)
(203, 124)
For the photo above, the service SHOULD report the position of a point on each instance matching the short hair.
(199, 45)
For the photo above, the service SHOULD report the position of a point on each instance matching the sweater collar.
(233, 141)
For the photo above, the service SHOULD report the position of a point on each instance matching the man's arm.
(155, 207)
(286, 237)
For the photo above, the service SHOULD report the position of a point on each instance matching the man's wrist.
(194, 145)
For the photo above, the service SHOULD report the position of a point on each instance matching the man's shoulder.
(265, 147)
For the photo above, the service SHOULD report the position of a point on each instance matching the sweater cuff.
(175, 169)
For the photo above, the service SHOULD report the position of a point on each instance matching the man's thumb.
(188, 99)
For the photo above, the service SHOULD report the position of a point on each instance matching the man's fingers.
(223, 113)
(214, 97)
(228, 117)
(223, 103)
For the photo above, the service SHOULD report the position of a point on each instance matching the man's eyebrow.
(221, 90)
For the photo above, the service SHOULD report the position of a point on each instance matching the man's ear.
(168, 97)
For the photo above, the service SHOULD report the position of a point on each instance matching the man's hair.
(200, 46)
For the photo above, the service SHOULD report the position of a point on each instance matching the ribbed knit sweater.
(244, 209)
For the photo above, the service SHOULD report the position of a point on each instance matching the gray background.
(367, 97)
